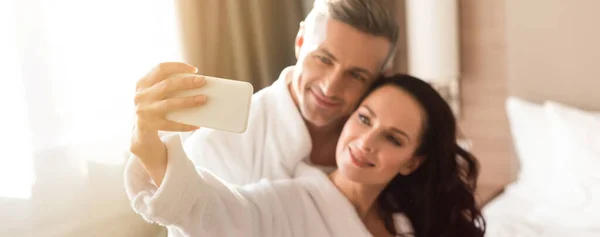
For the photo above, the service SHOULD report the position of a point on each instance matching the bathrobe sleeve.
(193, 202)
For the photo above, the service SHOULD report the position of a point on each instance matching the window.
(69, 69)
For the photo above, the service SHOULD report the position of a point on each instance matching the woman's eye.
(394, 141)
(363, 119)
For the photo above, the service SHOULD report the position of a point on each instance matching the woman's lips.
(359, 160)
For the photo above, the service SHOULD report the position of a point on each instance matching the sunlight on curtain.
(69, 69)
(15, 143)
(98, 49)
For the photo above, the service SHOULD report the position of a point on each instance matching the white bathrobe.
(275, 141)
(193, 202)
(274, 145)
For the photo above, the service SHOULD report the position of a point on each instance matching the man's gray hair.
(369, 16)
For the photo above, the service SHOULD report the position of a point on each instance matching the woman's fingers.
(169, 105)
(162, 71)
(158, 124)
(153, 91)
(166, 88)
(170, 126)
(153, 116)
(160, 108)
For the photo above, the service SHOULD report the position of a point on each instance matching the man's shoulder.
(271, 90)
(273, 97)
(277, 89)
(261, 97)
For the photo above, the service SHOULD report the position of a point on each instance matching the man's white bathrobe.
(194, 202)
(274, 147)
(275, 141)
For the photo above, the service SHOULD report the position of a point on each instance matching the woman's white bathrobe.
(194, 202)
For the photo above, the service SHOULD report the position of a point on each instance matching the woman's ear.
(412, 165)
(299, 40)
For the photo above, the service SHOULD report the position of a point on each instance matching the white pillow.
(573, 198)
(531, 139)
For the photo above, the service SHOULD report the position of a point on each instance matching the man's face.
(333, 72)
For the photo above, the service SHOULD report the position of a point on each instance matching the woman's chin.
(349, 172)
(360, 175)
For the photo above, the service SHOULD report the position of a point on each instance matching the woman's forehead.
(393, 106)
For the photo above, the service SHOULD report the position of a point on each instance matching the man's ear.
(412, 165)
(388, 71)
(299, 40)
(389, 68)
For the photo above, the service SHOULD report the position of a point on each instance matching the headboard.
(553, 51)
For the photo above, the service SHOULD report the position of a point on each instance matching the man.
(341, 47)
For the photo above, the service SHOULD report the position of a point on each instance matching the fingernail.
(199, 80)
(200, 99)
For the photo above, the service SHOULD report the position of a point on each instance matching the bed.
(553, 110)
(557, 192)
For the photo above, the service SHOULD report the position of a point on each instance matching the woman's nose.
(367, 142)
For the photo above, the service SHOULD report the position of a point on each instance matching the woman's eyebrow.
(396, 130)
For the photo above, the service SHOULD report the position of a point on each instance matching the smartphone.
(227, 106)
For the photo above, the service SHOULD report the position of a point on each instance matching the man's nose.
(332, 84)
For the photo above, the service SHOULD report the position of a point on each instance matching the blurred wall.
(484, 89)
(554, 51)
(536, 50)
(483, 86)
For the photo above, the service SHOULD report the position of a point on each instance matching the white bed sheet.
(508, 215)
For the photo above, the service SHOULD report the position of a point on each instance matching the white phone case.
(227, 106)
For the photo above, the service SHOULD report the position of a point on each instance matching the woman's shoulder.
(303, 178)
(308, 187)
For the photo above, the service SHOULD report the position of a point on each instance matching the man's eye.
(325, 60)
(357, 76)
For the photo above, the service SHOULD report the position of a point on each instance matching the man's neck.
(324, 140)
(324, 133)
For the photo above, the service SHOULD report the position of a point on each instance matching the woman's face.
(380, 138)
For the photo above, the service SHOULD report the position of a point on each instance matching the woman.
(400, 173)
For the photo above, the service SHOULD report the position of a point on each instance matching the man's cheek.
(354, 98)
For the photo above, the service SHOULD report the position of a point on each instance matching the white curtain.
(68, 73)
(16, 134)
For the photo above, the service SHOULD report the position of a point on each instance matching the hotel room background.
(255, 45)
(529, 50)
